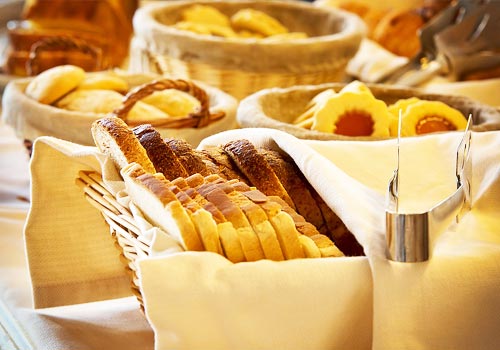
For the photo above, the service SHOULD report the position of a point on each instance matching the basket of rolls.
(359, 111)
(239, 200)
(64, 101)
(244, 46)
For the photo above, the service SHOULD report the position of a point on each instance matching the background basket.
(278, 108)
(243, 66)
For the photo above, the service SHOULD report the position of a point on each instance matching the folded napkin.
(200, 300)
(372, 62)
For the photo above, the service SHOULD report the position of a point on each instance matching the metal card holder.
(407, 234)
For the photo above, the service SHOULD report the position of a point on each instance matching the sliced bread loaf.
(160, 206)
(113, 137)
(163, 158)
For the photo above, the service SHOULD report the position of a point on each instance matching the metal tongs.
(407, 234)
(463, 38)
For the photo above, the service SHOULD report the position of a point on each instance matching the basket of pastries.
(239, 200)
(244, 46)
(359, 111)
(93, 35)
(64, 101)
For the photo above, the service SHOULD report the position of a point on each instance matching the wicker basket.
(31, 119)
(129, 240)
(277, 108)
(243, 66)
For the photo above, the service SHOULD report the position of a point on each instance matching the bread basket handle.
(60, 43)
(198, 118)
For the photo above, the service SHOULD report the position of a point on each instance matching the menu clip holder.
(407, 234)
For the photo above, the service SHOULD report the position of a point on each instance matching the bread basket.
(276, 108)
(243, 66)
(129, 239)
(31, 119)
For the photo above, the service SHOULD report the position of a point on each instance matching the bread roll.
(52, 84)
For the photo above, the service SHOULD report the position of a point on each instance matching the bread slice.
(228, 236)
(254, 166)
(295, 185)
(257, 218)
(326, 246)
(225, 167)
(188, 156)
(337, 231)
(160, 206)
(164, 159)
(310, 248)
(248, 238)
(202, 219)
(113, 137)
(282, 223)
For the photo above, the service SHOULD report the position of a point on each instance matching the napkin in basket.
(200, 300)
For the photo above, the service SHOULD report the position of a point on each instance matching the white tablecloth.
(114, 324)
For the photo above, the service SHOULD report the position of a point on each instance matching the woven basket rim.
(258, 118)
(352, 25)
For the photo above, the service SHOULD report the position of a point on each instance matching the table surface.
(87, 326)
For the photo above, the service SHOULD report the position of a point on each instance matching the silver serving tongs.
(462, 39)
(407, 234)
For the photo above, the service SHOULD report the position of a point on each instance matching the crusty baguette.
(188, 156)
(113, 137)
(163, 158)
(225, 167)
(248, 238)
(228, 236)
(254, 166)
(296, 186)
(160, 206)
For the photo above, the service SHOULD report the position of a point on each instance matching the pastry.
(50, 85)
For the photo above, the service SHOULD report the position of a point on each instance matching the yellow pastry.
(103, 81)
(173, 102)
(354, 111)
(425, 117)
(207, 29)
(205, 14)
(257, 21)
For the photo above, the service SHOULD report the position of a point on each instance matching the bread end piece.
(114, 138)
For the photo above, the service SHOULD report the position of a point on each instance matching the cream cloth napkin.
(71, 255)
(198, 300)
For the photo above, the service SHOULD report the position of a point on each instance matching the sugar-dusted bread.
(190, 158)
(163, 158)
(50, 85)
(254, 166)
(113, 137)
(160, 206)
